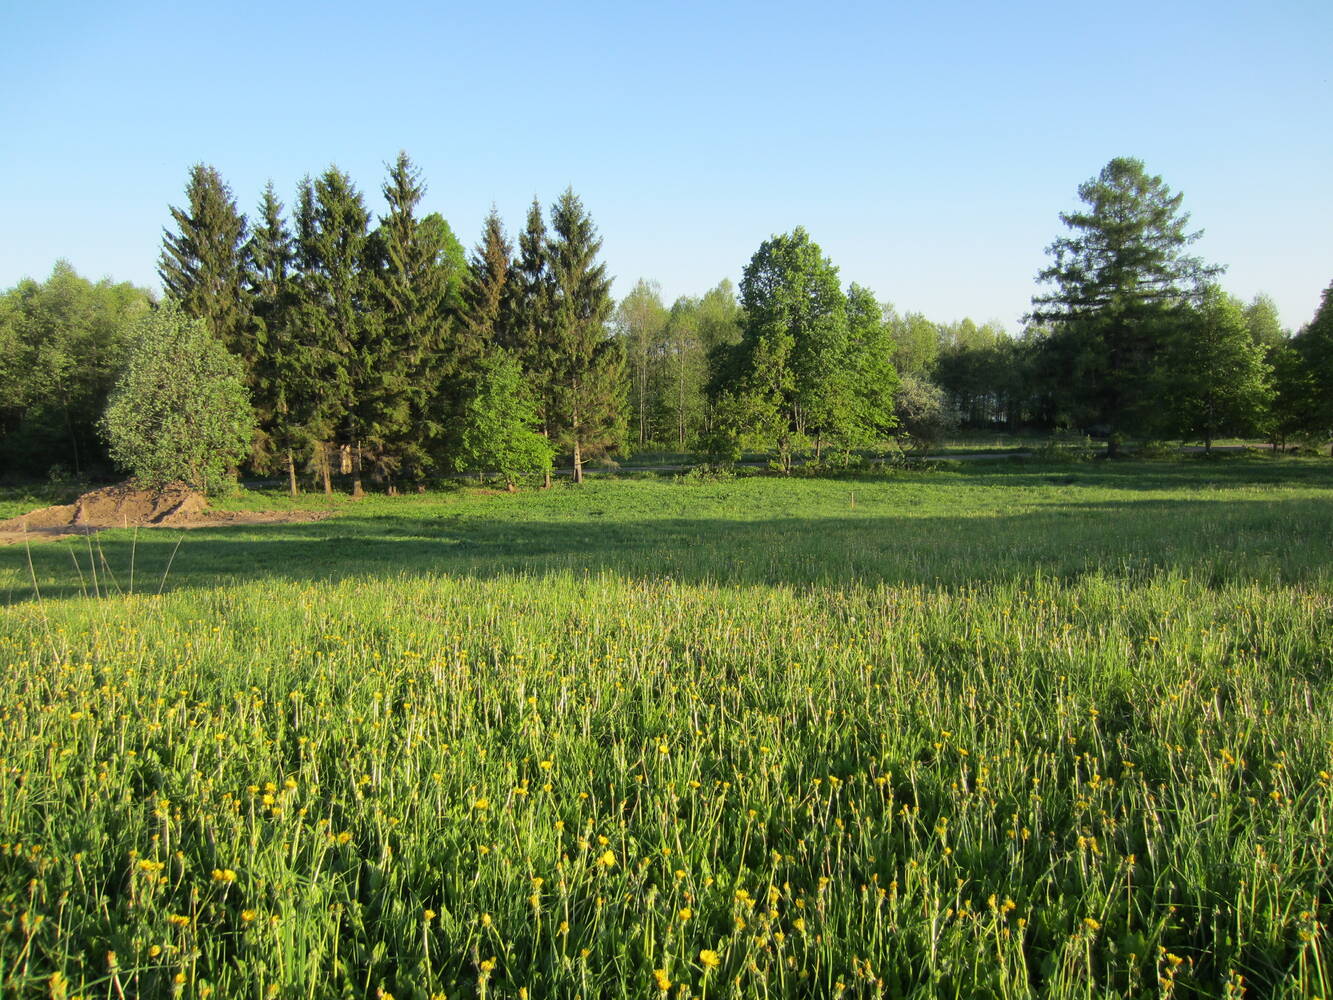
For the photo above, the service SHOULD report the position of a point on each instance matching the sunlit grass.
(1056, 732)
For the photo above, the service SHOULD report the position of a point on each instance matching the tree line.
(379, 348)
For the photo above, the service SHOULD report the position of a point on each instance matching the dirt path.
(124, 506)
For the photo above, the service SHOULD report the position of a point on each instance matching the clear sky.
(928, 148)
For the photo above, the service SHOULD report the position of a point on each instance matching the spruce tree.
(394, 413)
(203, 266)
(530, 315)
(587, 367)
(276, 379)
(329, 311)
(487, 292)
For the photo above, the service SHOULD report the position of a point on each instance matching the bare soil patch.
(126, 506)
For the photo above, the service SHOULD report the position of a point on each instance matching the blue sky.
(927, 148)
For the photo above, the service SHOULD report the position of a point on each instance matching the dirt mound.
(126, 506)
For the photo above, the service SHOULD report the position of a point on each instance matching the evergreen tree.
(587, 386)
(409, 323)
(1119, 281)
(1217, 378)
(528, 331)
(1314, 347)
(274, 381)
(487, 293)
(204, 265)
(329, 310)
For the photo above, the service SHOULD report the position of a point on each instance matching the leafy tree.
(924, 416)
(203, 265)
(874, 380)
(794, 305)
(916, 344)
(179, 410)
(62, 343)
(640, 323)
(587, 367)
(1265, 326)
(1118, 281)
(496, 424)
(1218, 381)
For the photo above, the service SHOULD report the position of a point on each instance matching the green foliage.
(62, 343)
(180, 410)
(204, 265)
(587, 387)
(1118, 280)
(1216, 376)
(496, 424)
(1314, 347)
(640, 322)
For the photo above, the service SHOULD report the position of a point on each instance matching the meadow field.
(1000, 730)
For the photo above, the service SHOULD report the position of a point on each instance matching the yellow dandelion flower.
(709, 959)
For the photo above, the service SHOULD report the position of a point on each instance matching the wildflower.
(481, 805)
(662, 979)
(248, 915)
(709, 959)
(607, 860)
(223, 875)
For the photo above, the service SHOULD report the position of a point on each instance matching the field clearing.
(1009, 731)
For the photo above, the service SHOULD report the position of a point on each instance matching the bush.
(180, 411)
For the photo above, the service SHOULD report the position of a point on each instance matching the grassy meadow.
(998, 730)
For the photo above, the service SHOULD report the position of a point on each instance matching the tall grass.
(557, 770)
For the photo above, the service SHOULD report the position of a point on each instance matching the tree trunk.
(324, 469)
(578, 462)
(291, 473)
(357, 491)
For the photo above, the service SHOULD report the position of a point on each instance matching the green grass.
(1013, 730)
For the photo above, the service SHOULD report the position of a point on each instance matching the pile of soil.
(126, 506)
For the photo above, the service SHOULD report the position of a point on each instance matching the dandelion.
(662, 979)
(223, 875)
(607, 860)
(709, 959)
(481, 805)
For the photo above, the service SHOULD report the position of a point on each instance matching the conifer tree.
(587, 367)
(276, 380)
(393, 412)
(203, 265)
(1120, 280)
(530, 311)
(329, 312)
(487, 292)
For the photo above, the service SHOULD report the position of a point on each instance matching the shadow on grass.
(1287, 540)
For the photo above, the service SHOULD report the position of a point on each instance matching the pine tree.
(587, 367)
(203, 266)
